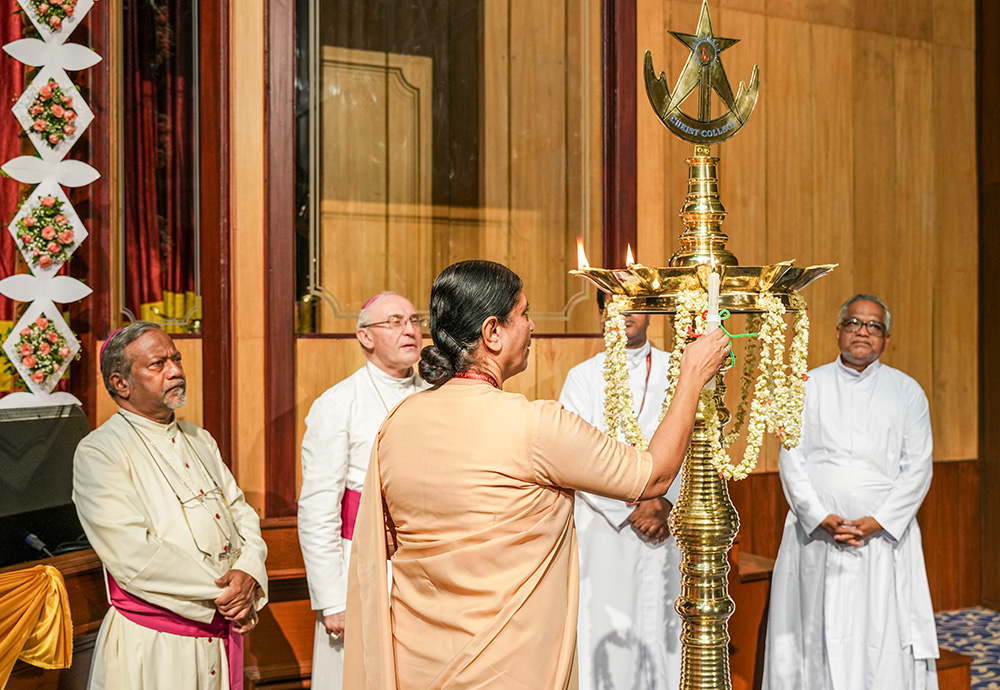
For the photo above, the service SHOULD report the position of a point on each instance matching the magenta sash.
(161, 620)
(349, 512)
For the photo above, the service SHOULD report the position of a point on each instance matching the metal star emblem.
(703, 66)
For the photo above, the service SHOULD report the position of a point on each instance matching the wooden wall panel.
(861, 151)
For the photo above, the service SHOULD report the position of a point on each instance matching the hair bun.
(435, 366)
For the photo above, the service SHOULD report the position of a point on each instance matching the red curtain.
(11, 84)
(160, 192)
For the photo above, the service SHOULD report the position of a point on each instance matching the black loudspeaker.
(37, 515)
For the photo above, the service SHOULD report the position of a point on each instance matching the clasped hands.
(850, 532)
(650, 518)
(236, 603)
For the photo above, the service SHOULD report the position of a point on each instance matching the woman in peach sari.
(470, 495)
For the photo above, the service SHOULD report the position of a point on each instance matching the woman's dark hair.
(463, 296)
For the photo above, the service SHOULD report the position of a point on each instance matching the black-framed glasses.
(853, 325)
(397, 322)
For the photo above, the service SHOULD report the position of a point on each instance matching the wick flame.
(629, 259)
(581, 256)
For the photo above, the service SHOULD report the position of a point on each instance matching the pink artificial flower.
(57, 3)
(55, 22)
(66, 237)
(28, 221)
(69, 129)
(26, 239)
(44, 262)
(48, 201)
(28, 361)
(25, 332)
(64, 351)
(68, 9)
(37, 110)
(44, 349)
(48, 232)
(45, 93)
(52, 337)
(39, 125)
(25, 349)
(35, 253)
(70, 115)
(60, 219)
(53, 247)
(38, 376)
(42, 322)
(43, 9)
(58, 110)
(67, 101)
(53, 139)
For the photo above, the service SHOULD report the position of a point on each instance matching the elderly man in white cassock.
(340, 430)
(628, 634)
(181, 549)
(850, 604)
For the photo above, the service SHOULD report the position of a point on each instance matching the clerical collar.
(149, 426)
(388, 380)
(638, 355)
(854, 373)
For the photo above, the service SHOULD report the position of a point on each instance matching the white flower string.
(772, 403)
(618, 404)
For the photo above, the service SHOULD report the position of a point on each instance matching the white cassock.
(340, 429)
(845, 617)
(130, 476)
(628, 634)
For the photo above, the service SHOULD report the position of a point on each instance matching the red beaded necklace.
(473, 374)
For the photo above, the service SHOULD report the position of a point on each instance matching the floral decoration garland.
(53, 12)
(45, 233)
(43, 349)
(772, 403)
(53, 113)
(618, 404)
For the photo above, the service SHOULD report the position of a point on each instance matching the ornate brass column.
(704, 520)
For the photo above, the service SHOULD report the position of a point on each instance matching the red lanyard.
(645, 389)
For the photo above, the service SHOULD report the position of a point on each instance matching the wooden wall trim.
(215, 245)
(988, 147)
(279, 247)
(619, 131)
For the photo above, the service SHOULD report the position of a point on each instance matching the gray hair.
(862, 297)
(114, 358)
(365, 315)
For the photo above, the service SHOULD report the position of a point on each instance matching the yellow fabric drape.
(35, 623)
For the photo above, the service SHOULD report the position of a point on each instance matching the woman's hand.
(705, 357)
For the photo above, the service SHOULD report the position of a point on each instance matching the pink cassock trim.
(349, 512)
(161, 620)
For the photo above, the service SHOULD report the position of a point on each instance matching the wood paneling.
(948, 520)
(861, 151)
(988, 73)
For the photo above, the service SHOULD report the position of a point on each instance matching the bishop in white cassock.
(171, 528)
(628, 634)
(850, 604)
(340, 429)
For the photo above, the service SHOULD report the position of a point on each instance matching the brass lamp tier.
(657, 290)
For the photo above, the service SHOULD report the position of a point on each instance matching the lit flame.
(629, 259)
(581, 256)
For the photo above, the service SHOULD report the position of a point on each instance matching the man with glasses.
(340, 430)
(850, 603)
(182, 551)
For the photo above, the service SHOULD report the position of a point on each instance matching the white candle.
(712, 320)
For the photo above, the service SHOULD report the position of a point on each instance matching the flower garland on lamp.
(774, 400)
